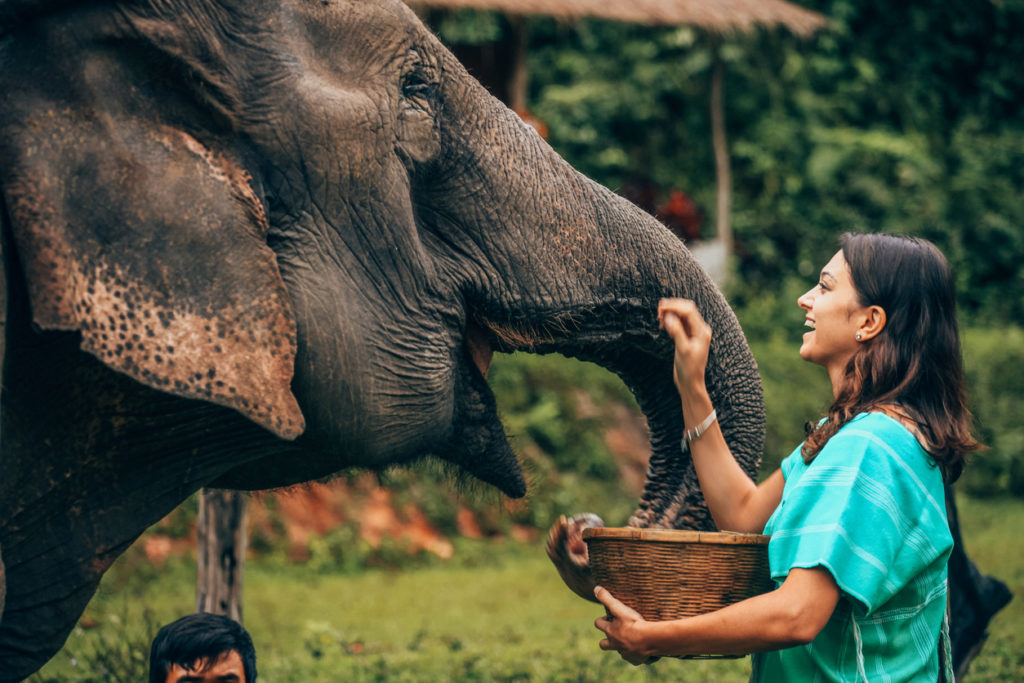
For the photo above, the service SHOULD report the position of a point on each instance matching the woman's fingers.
(671, 323)
(680, 316)
(616, 608)
(608, 600)
(615, 625)
(681, 308)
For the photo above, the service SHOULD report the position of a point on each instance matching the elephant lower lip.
(477, 442)
(479, 348)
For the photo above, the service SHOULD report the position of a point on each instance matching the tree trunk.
(518, 80)
(220, 548)
(722, 172)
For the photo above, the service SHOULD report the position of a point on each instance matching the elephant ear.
(153, 247)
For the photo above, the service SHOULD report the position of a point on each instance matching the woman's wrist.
(694, 432)
(696, 403)
(664, 638)
(647, 638)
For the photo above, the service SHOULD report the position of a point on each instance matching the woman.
(856, 513)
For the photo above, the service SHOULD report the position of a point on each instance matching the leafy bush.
(900, 117)
(795, 392)
(117, 653)
(994, 365)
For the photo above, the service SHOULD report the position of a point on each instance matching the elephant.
(253, 243)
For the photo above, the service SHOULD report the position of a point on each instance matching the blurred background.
(758, 142)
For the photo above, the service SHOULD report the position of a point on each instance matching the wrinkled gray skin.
(249, 244)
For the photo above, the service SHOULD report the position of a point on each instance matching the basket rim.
(675, 536)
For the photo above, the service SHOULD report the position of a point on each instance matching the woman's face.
(834, 314)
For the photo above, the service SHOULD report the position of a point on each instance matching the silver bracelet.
(691, 435)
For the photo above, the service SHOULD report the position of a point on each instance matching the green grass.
(495, 613)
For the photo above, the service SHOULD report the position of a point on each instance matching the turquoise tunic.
(870, 508)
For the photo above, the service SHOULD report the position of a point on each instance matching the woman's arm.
(792, 615)
(735, 501)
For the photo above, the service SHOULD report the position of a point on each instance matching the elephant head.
(253, 243)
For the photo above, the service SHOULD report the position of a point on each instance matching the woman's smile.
(833, 315)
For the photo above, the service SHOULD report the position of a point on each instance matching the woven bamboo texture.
(665, 574)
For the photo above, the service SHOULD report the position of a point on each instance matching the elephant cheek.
(369, 407)
(418, 141)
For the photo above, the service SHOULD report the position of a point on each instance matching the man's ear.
(152, 246)
(873, 323)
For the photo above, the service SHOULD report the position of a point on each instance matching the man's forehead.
(226, 668)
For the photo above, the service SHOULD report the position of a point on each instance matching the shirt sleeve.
(869, 509)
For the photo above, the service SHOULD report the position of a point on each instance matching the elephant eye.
(419, 82)
(418, 90)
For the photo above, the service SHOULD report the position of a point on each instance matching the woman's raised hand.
(692, 336)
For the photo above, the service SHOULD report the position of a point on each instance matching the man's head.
(202, 648)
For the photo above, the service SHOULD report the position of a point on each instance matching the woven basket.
(667, 574)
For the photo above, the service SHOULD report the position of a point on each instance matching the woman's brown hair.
(914, 363)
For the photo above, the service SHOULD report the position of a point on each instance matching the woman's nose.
(806, 300)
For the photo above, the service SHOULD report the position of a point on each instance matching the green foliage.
(900, 117)
(625, 102)
(796, 392)
(994, 365)
(117, 652)
(555, 411)
(539, 397)
(470, 26)
(341, 550)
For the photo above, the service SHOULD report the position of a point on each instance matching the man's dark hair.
(200, 638)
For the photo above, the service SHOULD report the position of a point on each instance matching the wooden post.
(519, 78)
(223, 536)
(722, 172)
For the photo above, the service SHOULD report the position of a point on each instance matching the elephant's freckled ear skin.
(144, 308)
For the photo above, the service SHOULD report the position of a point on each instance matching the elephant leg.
(82, 475)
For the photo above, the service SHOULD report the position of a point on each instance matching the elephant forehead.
(357, 41)
(333, 120)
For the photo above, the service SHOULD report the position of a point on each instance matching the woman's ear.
(152, 246)
(873, 323)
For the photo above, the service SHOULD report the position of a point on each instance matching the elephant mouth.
(477, 441)
(622, 338)
(478, 346)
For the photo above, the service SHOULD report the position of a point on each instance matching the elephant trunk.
(575, 269)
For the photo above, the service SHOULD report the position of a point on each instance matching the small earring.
(858, 336)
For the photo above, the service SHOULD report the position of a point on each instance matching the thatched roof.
(720, 16)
